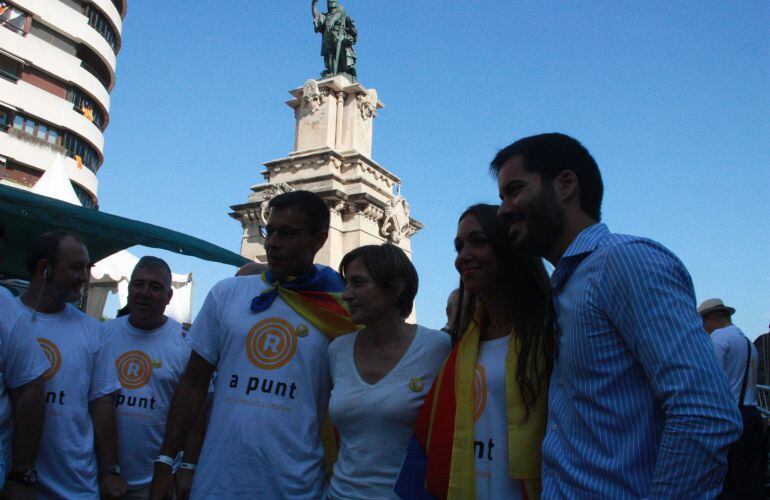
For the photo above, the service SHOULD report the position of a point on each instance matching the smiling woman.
(380, 374)
(494, 381)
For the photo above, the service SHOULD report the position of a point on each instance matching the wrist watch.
(114, 470)
(25, 477)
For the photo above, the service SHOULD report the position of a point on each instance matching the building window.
(81, 151)
(9, 68)
(5, 118)
(56, 39)
(84, 196)
(94, 65)
(119, 6)
(86, 106)
(73, 4)
(35, 128)
(13, 18)
(99, 22)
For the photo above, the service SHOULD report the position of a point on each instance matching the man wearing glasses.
(267, 336)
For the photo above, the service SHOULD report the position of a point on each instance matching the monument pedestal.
(332, 158)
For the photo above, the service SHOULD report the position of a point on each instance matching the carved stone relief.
(312, 96)
(367, 104)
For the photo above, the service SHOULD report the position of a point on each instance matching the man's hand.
(162, 487)
(112, 486)
(184, 479)
(17, 491)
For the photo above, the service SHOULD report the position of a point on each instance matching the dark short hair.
(315, 209)
(550, 154)
(390, 268)
(152, 263)
(46, 246)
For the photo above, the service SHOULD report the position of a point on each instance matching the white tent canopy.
(54, 183)
(111, 274)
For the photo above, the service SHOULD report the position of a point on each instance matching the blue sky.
(671, 98)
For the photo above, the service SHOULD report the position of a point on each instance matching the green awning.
(26, 215)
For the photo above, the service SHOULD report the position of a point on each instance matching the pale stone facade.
(333, 157)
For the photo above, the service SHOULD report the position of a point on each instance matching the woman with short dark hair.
(380, 374)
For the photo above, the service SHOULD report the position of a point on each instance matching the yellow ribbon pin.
(416, 384)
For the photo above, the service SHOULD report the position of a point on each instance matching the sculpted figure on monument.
(338, 36)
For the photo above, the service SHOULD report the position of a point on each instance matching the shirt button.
(554, 427)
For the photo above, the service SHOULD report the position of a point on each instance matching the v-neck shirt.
(375, 421)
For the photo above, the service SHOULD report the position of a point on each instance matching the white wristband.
(165, 459)
(187, 466)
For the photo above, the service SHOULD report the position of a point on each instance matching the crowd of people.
(603, 380)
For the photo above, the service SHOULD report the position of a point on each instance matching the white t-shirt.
(375, 421)
(491, 429)
(271, 395)
(82, 369)
(21, 362)
(149, 364)
(730, 345)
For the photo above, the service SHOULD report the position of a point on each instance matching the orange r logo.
(479, 392)
(134, 369)
(271, 343)
(53, 355)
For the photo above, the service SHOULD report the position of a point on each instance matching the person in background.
(22, 402)
(78, 455)
(251, 268)
(380, 374)
(738, 358)
(151, 354)
(638, 406)
(479, 432)
(451, 310)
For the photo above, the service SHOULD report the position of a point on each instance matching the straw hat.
(712, 305)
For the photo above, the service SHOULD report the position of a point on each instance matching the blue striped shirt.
(638, 406)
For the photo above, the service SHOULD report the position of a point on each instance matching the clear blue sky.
(671, 98)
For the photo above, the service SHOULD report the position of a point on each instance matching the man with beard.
(267, 337)
(638, 406)
(78, 455)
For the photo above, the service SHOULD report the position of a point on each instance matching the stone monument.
(332, 157)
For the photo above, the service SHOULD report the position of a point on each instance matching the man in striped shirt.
(638, 406)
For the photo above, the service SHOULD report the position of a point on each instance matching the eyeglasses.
(284, 233)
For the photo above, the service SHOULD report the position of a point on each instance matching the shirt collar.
(586, 241)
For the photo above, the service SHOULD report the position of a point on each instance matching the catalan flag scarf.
(316, 296)
(440, 457)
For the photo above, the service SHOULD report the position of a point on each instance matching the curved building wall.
(57, 68)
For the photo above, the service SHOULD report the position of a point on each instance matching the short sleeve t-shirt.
(21, 362)
(491, 427)
(271, 396)
(82, 369)
(732, 349)
(375, 421)
(149, 364)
